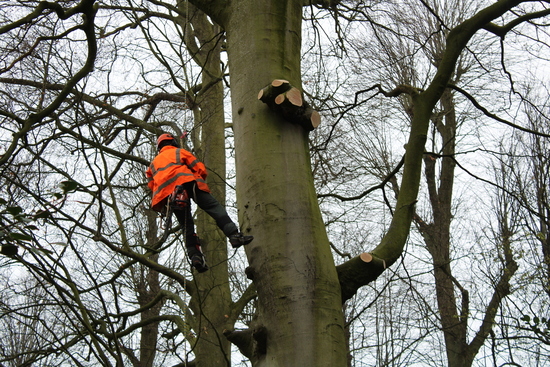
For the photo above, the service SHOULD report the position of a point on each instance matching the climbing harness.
(178, 199)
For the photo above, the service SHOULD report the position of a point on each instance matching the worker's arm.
(149, 175)
(196, 166)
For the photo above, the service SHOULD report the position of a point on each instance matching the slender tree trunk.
(438, 233)
(147, 286)
(541, 181)
(453, 312)
(213, 297)
(147, 290)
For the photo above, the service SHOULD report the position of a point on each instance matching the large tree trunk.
(299, 303)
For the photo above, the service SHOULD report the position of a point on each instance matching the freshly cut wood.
(270, 92)
(288, 101)
(366, 257)
(280, 98)
(279, 82)
(359, 271)
(294, 96)
(315, 119)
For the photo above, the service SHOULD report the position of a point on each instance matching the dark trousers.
(211, 206)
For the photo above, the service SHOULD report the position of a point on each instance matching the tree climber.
(174, 166)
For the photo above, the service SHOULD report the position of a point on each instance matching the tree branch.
(368, 191)
(88, 10)
(357, 272)
(217, 10)
(288, 101)
(493, 116)
(501, 31)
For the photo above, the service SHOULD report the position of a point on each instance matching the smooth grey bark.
(290, 260)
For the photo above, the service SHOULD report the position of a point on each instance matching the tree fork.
(288, 101)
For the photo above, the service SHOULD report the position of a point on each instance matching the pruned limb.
(252, 342)
(276, 88)
(357, 272)
(279, 82)
(260, 338)
(288, 101)
(242, 339)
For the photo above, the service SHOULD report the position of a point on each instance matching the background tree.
(525, 161)
(439, 171)
(151, 292)
(398, 59)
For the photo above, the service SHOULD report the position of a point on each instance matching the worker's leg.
(210, 205)
(185, 219)
(192, 244)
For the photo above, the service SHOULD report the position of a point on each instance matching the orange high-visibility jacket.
(171, 167)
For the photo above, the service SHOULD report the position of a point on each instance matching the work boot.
(238, 239)
(197, 258)
(198, 262)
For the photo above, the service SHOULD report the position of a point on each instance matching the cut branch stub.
(294, 96)
(279, 82)
(288, 101)
(357, 272)
(251, 342)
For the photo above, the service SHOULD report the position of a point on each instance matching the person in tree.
(175, 171)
